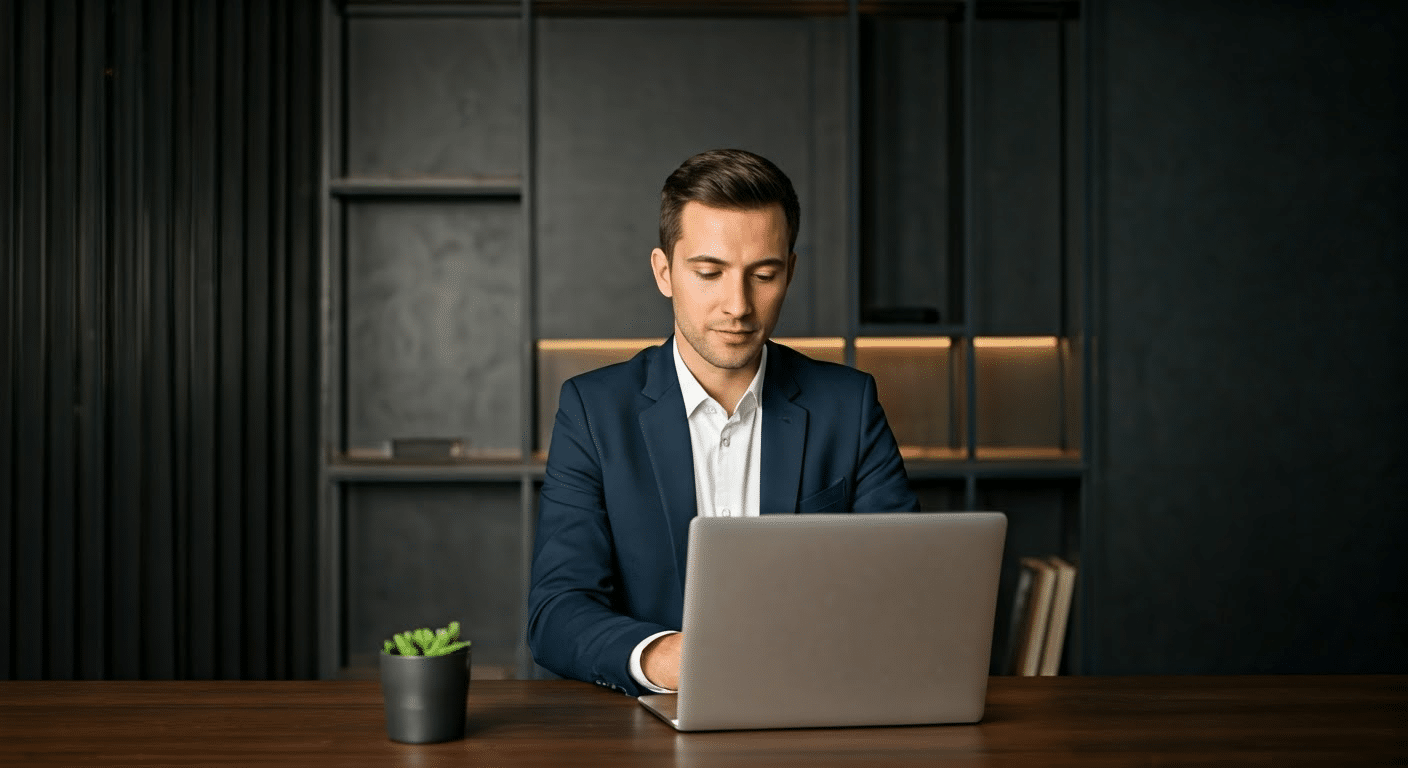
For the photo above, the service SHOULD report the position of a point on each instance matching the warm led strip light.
(1015, 342)
(595, 345)
(818, 342)
(903, 342)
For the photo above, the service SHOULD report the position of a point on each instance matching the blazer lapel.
(666, 433)
(784, 436)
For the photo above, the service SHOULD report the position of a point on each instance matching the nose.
(738, 298)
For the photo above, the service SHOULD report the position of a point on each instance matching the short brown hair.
(732, 179)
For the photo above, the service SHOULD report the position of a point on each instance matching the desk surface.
(1086, 721)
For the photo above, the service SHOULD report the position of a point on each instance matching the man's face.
(726, 279)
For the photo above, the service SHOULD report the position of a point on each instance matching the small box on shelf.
(427, 448)
(412, 449)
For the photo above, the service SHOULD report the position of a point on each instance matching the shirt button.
(724, 511)
(725, 442)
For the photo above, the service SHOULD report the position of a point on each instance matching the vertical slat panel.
(62, 173)
(276, 427)
(332, 382)
(299, 374)
(209, 636)
(275, 463)
(9, 45)
(164, 66)
(275, 433)
(92, 256)
(125, 435)
(180, 340)
(260, 201)
(228, 337)
(29, 507)
(186, 48)
(157, 186)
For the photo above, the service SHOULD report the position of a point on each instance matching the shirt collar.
(694, 394)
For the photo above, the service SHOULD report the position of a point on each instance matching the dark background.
(159, 420)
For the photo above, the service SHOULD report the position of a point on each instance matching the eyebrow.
(704, 258)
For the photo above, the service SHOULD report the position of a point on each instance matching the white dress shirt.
(727, 459)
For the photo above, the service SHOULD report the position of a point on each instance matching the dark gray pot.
(425, 696)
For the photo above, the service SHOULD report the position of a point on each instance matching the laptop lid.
(794, 621)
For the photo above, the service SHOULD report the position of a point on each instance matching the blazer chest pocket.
(830, 500)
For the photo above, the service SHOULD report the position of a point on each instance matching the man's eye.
(764, 277)
(709, 275)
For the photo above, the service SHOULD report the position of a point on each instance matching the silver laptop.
(798, 621)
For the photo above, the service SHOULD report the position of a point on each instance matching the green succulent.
(423, 642)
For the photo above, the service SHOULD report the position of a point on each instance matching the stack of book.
(1041, 609)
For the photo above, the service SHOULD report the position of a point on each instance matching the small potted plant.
(424, 684)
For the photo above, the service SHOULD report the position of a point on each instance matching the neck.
(725, 385)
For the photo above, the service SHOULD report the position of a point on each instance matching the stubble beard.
(726, 359)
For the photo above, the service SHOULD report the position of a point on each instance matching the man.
(718, 420)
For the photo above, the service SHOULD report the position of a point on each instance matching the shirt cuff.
(638, 673)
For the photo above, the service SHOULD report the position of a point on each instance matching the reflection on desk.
(1060, 721)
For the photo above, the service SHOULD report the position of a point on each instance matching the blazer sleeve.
(574, 629)
(881, 482)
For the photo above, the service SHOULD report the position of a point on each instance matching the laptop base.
(663, 706)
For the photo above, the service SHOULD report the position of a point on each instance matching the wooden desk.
(1030, 721)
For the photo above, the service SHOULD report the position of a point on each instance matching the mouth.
(738, 335)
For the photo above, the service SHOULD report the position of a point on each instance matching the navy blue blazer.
(618, 495)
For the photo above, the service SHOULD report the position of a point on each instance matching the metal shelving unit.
(970, 469)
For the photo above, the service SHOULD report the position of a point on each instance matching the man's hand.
(660, 661)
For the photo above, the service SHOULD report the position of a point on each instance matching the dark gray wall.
(622, 102)
(432, 554)
(1252, 501)
(431, 287)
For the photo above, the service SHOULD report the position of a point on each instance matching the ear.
(791, 266)
(660, 267)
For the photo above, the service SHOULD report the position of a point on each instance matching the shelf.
(471, 470)
(429, 188)
(688, 8)
(925, 463)
(911, 8)
(482, 209)
(920, 463)
(1028, 9)
(953, 9)
(984, 9)
(1026, 454)
(433, 9)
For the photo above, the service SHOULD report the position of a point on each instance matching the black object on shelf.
(912, 315)
(427, 448)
